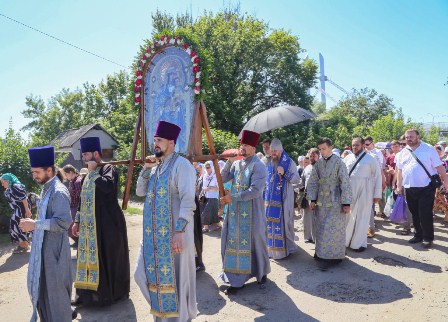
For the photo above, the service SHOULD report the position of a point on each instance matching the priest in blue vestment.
(243, 240)
(49, 269)
(166, 270)
(282, 176)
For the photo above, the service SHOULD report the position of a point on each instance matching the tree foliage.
(108, 103)
(14, 159)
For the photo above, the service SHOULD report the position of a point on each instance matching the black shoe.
(427, 244)
(263, 280)
(360, 249)
(232, 290)
(415, 240)
(324, 265)
(200, 267)
(75, 302)
(74, 313)
(309, 241)
(316, 257)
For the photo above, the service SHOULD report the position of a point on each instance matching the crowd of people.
(334, 193)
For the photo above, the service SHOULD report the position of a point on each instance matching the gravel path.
(391, 281)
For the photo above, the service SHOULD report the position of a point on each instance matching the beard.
(158, 152)
(44, 180)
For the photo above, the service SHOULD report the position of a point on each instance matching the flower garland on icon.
(153, 48)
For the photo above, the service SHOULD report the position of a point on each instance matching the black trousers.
(198, 237)
(420, 202)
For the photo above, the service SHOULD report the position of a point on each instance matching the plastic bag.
(388, 193)
(389, 205)
(398, 214)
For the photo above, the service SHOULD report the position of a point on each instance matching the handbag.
(435, 180)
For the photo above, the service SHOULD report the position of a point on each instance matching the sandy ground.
(391, 281)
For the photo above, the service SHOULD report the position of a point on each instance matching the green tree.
(14, 159)
(108, 103)
(366, 106)
(389, 127)
(222, 140)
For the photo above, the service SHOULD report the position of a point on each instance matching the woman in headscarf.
(17, 196)
(210, 191)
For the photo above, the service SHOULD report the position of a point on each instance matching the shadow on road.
(125, 308)
(14, 262)
(210, 300)
(272, 302)
(349, 282)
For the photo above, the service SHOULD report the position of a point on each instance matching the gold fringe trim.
(86, 286)
(163, 314)
(238, 271)
(162, 288)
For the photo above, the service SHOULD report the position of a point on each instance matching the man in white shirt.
(378, 155)
(419, 191)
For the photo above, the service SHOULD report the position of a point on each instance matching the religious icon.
(169, 95)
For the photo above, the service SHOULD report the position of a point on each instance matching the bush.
(14, 158)
(222, 140)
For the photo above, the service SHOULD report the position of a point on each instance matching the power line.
(62, 41)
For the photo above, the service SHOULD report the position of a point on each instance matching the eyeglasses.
(403, 144)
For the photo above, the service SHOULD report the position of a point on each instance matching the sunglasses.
(367, 144)
(403, 144)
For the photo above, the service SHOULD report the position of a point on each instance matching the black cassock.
(112, 240)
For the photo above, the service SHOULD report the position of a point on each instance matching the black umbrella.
(277, 117)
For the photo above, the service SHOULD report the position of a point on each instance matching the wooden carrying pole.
(132, 161)
(211, 146)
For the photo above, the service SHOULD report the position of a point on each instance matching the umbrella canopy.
(277, 117)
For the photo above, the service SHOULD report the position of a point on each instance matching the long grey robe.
(288, 211)
(260, 265)
(182, 185)
(365, 181)
(329, 185)
(309, 218)
(56, 275)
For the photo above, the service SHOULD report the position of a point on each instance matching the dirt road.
(391, 281)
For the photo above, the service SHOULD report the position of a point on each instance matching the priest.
(49, 269)
(279, 197)
(243, 240)
(102, 269)
(366, 183)
(165, 270)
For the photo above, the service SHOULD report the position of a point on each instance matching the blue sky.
(399, 47)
